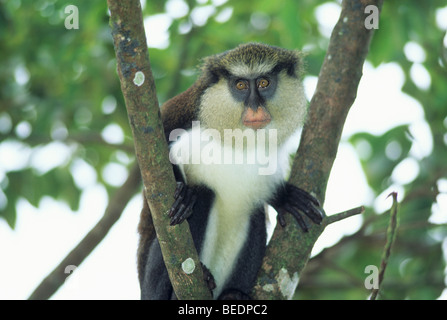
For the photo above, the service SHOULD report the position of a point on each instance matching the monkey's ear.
(294, 69)
(212, 76)
(300, 66)
(213, 68)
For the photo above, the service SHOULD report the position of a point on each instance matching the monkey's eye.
(241, 85)
(263, 83)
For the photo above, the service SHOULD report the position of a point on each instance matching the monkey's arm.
(296, 201)
(288, 198)
(181, 110)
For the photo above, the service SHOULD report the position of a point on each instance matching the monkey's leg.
(233, 294)
(208, 277)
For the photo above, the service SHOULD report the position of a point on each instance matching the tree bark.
(138, 87)
(290, 248)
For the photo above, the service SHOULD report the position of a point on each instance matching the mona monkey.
(251, 88)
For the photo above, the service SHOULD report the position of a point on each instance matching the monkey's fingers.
(287, 208)
(177, 214)
(184, 210)
(175, 207)
(316, 214)
(280, 216)
(298, 193)
(297, 213)
(305, 202)
(298, 217)
(179, 195)
(180, 189)
(298, 202)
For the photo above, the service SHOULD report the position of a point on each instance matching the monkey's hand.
(296, 201)
(183, 205)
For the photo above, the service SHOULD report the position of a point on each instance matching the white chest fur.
(239, 188)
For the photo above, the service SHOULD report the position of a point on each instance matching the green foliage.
(377, 164)
(61, 85)
(55, 81)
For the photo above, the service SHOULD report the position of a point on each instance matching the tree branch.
(289, 248)
(138, 87)
(343, 215)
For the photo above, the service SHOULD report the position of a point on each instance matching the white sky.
(44, 235)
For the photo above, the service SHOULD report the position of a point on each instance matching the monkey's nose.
(256, 119)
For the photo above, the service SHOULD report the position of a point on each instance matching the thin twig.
(343, 215)
(391, 237)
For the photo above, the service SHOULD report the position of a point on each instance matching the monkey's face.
(261, 101)
(254, 86)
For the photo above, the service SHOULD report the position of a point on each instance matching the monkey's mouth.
(257, 124)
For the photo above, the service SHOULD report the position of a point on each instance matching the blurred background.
(66, 148)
